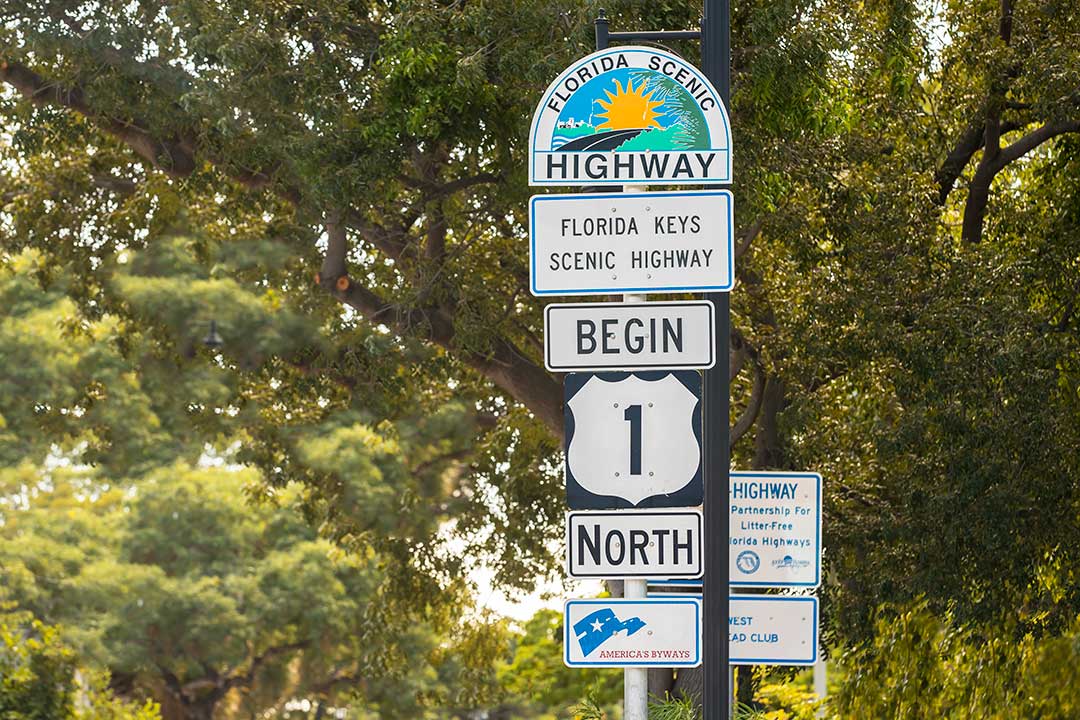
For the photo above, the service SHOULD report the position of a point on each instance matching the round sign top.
(630, 116)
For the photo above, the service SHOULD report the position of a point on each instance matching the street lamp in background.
(213, 339)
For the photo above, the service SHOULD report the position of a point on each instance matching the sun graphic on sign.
(629, 109)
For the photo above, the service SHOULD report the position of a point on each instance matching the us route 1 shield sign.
(633, 440)
(772, 630)
(629, 336)
(657, 242)
(632, 633)
(630, 115)
(632, 544)
(775, 529)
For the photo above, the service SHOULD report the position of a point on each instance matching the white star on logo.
(597, 625)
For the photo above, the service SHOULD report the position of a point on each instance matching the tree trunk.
(661, 682)
(744, 685)
(689, 683)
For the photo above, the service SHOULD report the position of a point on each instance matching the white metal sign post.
(657, 242)
(634, 544)
(632, 633)
(629, 336)
(775, 529)
(773, 630)
(633, 439)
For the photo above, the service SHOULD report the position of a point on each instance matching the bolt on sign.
(633, 440)
(630, 116)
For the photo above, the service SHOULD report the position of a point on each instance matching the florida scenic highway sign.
(629, 336)
(657, 242)
(630, 116)
(633, 440)
(632, 633)
(634, 544)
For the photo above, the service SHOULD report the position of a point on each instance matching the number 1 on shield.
(632, 414)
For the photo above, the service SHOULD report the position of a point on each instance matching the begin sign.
(629, 336)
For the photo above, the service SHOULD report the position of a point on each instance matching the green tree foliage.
(188, 594)
(538, 683)
(921, 665)
(40, 680)
(905, 317)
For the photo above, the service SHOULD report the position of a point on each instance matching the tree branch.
(171, 156)
(245, 679)
(505, 365)
(437, 190)
(1034, 139)
(979, 191)
(753, 407)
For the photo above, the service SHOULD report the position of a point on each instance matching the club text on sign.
(773, 630)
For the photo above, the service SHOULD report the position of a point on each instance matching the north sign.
(633, 440)
(775, 529)
(772, 630)
(630, 116)
(658, 242)
(632, 633)
(633, 544)
(629, 336)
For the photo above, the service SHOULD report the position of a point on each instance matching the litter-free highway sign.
(632, 633)
(629, 336)
(775, 520)
(657, 242)
(632, 544)
(633, 440)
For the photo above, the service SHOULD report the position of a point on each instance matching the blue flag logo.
(595, 629)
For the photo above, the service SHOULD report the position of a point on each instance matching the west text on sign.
(629, 336)
(662, 242)
(629, 543)
(632, 633)
(775, 529)
(773, 630)
(633, 440)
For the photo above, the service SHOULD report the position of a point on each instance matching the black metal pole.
(716, 64)
(716, 686)
(601, 31)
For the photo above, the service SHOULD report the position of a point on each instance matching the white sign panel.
(630, 115)
(775, 536)
(629, 544)
(629, 336)
(772, 630)
(658, 242)
(633, 440)
(632, 633)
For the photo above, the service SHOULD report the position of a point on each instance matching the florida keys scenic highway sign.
(630, 116)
